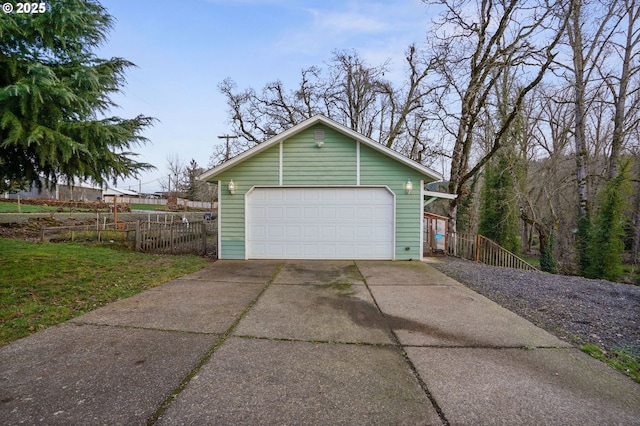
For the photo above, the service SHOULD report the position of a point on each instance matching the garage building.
(320, 191)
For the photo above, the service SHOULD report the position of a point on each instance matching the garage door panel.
(327, 232)
(348, 232)
(311, 213)
(274, 213)
(320, 223)
(346, 213)
(290, 251)
(327, 213)
(260, 233)
(293, 233)
(259, 213)
(293, 213)
(274, 231)
(310, 232)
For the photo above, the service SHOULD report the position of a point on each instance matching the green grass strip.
(45, 284)
(619, 359)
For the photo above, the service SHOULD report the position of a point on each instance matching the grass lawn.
(533, 261)
(45, 284)
(150, 207)
(25, 208)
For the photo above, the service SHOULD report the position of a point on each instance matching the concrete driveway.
(308, 342)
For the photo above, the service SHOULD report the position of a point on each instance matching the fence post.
(477, 254)
(204, 238)
(138, 236)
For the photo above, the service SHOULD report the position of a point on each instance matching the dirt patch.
(30, 230)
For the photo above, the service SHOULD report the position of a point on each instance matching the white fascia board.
(257, 149)
(382, 148)
(436, 194)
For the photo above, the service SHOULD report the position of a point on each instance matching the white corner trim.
(421, 206)
(357, 162)
(280, 162)
(246, 219)
(219, 219)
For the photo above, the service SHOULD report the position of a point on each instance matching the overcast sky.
(184, 48)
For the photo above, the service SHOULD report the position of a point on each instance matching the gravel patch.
(575, 309)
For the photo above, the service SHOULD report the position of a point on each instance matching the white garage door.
(320, 223)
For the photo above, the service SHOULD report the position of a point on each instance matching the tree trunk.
(620, 99)
(579, 100)
(636, 231)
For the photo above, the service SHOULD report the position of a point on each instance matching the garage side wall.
(261, 169)
(378, 169)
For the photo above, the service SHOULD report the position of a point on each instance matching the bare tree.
(474, 47)
(351, 92)
(177, 178)
(409, 103)
(625, 115)
(587, 49)
(546, 203)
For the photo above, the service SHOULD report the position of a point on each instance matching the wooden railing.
(121, 231)
(481, 249)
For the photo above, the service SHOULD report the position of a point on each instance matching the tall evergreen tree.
(498, 209)
(547, 259)
(193, 171)
(54, 94)
(607, 234)
(466, 220)
(499, 215)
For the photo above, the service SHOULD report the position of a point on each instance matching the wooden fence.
(160, 202)
(121, 231)
(172, 238)
(197, 237)
(481, 249)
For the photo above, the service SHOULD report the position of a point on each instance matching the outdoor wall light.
(319, 143)
(232, 187)
(408, 187)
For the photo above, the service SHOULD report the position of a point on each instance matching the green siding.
(261, 169)
(333, 164)
(306, 164)
(378, 169)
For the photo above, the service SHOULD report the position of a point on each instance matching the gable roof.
(320, 119)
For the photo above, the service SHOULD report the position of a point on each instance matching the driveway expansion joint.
(153, 419)
(133, 327)
(412, 367)
(525, 348)
(326, 342)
